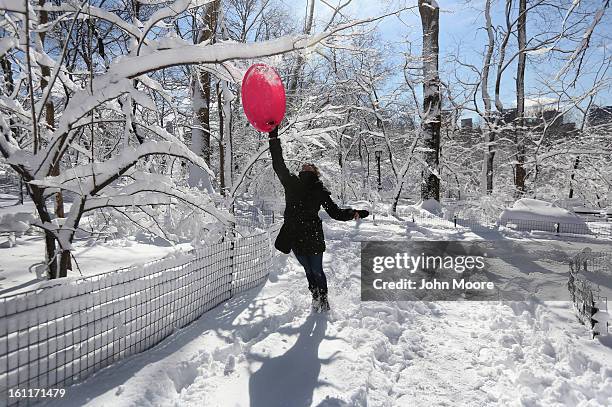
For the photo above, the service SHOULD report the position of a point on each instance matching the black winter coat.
(302, 230)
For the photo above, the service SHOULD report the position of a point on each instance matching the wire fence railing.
(54, 336)
(476, 224)
(586, 228)
(586, 270)
(592, 262)
(484, 224)
(255, 217)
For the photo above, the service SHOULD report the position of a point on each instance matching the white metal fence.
(54, 336)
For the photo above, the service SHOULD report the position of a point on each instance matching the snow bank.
(16, 218)
(535, 210)
(427, 208)
(16, 222)
(430, 205)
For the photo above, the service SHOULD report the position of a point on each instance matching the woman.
(302, 230)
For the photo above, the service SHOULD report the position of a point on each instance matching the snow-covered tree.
(108, 146)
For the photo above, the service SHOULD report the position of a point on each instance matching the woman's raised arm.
(278, 163)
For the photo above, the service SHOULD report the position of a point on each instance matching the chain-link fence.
(52, 337)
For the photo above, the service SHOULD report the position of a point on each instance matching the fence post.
(231, 265)
(455, 220)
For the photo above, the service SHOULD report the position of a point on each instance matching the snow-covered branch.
(89, 179)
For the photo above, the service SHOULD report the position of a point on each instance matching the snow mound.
(16, 221)
(430, 205)
(536, 210)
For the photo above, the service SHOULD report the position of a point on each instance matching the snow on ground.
(18, 263)
(267, 349)
(17, 267)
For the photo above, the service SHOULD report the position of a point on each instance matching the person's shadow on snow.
(289, 380)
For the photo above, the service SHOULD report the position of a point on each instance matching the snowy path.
(266, 349)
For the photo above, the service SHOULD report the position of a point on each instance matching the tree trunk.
(364, 174)
(65, 263)
(224, 99)
(51, 255)
(203, 112)
(519, 168)
(340, 155)
(201, 102)
(430, 16)
(228, 150)
(221, 142)
(490, 160)
(9, 86)
(576, 164)
(38, 199)
(489, 136)
(297, 69)
(224, 105)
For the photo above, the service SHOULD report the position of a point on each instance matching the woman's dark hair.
(316, 169)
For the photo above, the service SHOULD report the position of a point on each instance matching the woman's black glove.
(273, 133)
(362, 213)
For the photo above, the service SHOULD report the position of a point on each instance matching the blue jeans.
(313, 265)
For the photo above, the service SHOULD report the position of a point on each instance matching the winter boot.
(323, 304)
(315, 298)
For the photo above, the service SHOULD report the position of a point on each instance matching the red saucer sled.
(263, 97)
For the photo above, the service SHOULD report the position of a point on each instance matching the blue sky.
(460, 22)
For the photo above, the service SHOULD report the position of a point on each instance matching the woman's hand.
(274, 133)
